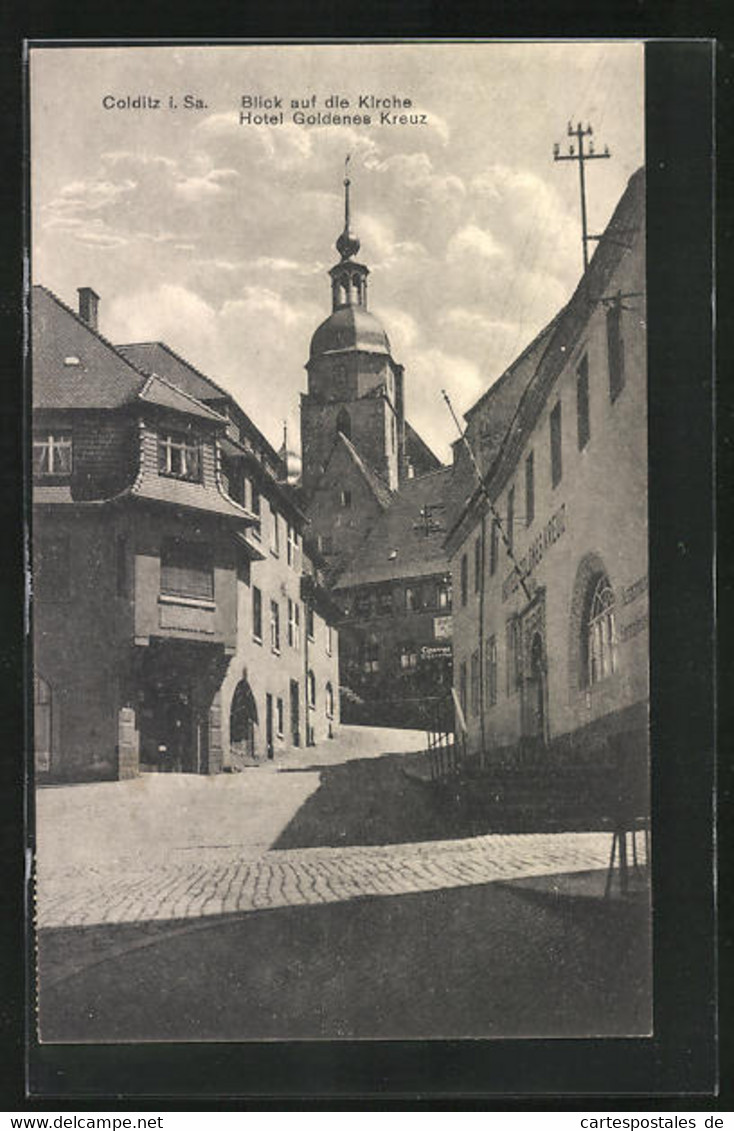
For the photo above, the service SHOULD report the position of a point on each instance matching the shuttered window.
(186, 570)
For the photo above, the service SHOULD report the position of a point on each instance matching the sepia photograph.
(339, 541)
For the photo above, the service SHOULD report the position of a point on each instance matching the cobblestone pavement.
(224, 882)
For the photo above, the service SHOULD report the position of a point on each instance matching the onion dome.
(349, 328)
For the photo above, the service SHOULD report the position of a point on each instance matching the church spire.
(347, 245)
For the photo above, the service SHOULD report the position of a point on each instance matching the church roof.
(347, 329)
(407, 539)
(380, 490)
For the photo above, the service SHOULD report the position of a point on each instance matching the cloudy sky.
(216, 237)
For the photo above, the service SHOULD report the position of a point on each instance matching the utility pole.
(577, 153)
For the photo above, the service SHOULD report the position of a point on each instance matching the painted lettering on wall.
(627, 631)
(554, 528)
(634, 590)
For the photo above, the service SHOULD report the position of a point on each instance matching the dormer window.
(179, 455)
(52, 453)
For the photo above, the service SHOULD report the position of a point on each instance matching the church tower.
(354, 386)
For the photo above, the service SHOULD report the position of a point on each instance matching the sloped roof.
(380, 490)
(101, 379)
(159, 358)
(161, 392)
(75, 367)
(549, 352)
(401, 542)
(415, 443)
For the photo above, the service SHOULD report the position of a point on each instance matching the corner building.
(170, 582)
(551, 648)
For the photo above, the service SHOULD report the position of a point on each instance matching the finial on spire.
(347, 245)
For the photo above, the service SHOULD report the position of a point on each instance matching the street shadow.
(373, 801)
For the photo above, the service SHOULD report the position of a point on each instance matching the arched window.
(344, 423)
(329, 701)
(600, 632)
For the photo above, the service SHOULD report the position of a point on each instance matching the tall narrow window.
(600, 631)
(275, 626)
(582, 402)
(256, 509)
(329, 639)
(291, 623)
(291, 545)
(477, 564)
(186, 570)
(529, 489)
(310, 631)
(280, 716)
(275, 536)
(257, 613)
(511, 517)
(344, 423)
(329, 701)
(297, 625)
(311, 688)
(464, 578)
(493, 547)
(444, 595)
(345, 498)
(491, 674)
(555, 440)
(514, 655)
(615, 349)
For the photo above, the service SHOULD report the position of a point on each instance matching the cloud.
(213, 183)
(169, 313)
(472, 240)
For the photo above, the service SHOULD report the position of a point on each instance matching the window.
(52, 453)
(511, 517)
(582, 403)
(179, 456)
(291, 623)
(444, 595)
(275, 626)
(329, 639)
(408, 656)
(601, 637)
(329, 701)
(291, 544)
(371, 655)
(464, 578)
(475, 683)
(477, 564)
(53, 567)
(462, 686)
(257, 614)
(493, 547)
(309, 622)
(256, 510)
(186, 570)
(345, 498)
(297, 626)
(275, 532)
(529, 488)
(491, 675)
(514, 655)
(615, 349)
(121, 565)
(384, 601)
(363, 603)
(555, 439)
(412, 601)
(344, 423)
(311, 688)
(279, 716)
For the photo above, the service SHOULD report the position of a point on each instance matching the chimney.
(88, 305)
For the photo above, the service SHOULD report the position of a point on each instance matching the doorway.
(535, 696)
(269, 725)
(295, 713)
(243, 722)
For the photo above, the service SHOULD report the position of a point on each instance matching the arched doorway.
(243, 721)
